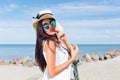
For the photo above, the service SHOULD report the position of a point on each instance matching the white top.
(61, 57)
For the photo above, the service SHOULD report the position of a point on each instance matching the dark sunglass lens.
(46, 26)
(53, 23)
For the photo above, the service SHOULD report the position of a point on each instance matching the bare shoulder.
(51, 46)
(51, 43)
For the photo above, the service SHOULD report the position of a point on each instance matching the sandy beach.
(99, 70)
(11, 72)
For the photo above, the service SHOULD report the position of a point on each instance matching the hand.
(61, 35)
(74, 52)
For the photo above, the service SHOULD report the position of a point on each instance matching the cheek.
(47, 31)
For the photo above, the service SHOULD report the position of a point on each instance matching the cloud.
(76, 10)
(17, 36)
(86, 9)
(92, 30)
(80, 21)
(8, 8)
(94, 2)
(15, 24)
(17, 33)
(115, 23)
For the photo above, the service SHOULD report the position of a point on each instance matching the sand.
(100, 70)
(10, 72)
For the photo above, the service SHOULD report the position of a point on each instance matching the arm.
(62, 37)
(53, 70)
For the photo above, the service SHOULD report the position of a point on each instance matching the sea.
(14, 51)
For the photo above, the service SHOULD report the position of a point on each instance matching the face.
(49, 26)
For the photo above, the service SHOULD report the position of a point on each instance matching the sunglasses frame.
(49, 24)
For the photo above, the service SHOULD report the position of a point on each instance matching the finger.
(75, 46)
(60, 34)
(57, 31)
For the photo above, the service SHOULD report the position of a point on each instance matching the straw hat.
(44, 14)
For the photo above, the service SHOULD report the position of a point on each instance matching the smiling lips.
(52, 29)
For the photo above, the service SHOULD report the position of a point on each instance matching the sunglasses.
(52, 23)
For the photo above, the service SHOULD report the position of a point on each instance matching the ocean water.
(21, 50)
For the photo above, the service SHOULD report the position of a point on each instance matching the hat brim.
(58, 26)
(35, 22)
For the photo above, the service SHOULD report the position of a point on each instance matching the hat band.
(38, 15)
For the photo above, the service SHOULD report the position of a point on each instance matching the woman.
(53, 52)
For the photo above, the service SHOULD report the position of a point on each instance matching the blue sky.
(84, 21)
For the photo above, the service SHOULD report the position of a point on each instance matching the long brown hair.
(42, 36)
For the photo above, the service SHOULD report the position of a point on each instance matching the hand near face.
(61, 35)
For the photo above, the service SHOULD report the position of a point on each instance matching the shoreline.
(99, 70)
(11, 51)
(90, 67)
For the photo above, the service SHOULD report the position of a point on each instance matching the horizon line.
(77, 43)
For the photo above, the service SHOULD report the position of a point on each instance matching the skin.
(48, 30)
(50, 50)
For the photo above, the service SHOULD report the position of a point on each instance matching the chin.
(51, 33)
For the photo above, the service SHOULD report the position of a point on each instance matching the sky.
(84, 21)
